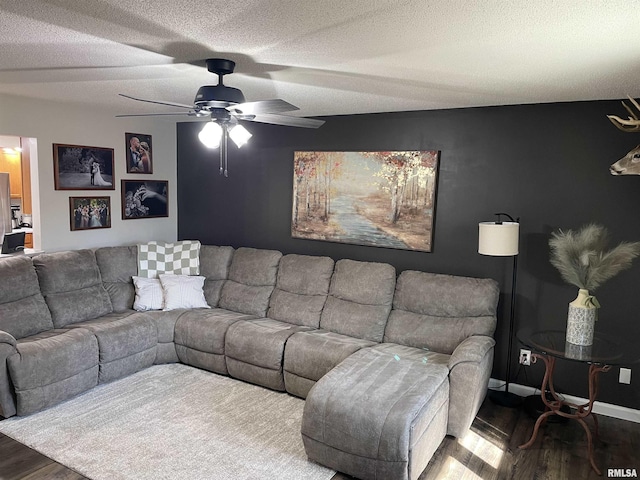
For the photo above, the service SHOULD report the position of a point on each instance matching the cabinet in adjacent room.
(12, 163)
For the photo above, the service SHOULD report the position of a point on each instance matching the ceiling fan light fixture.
(211, 135)
(239, 135)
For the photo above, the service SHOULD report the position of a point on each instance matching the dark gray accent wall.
(547, 164)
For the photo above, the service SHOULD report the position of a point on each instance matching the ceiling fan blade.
(262, 106)
(155, 114)
(190, 107)
(288, 121)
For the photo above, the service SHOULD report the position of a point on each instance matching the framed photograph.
(87, 213)
(138, 148)
(76, 167)
(145, 199)
(380, 199)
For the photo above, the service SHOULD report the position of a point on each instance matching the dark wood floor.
(489, 451)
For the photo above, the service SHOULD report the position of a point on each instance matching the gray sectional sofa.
(388, 364)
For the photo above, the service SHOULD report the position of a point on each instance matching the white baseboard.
(607, 409)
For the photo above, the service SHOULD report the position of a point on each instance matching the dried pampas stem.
(582, 259)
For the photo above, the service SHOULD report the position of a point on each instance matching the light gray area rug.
(173, 422)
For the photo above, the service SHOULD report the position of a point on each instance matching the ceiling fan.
(226, 107)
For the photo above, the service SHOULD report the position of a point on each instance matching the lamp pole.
(500, 239)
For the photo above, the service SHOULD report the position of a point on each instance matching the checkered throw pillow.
(179, 258)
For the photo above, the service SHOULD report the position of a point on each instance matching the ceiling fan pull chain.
(224, 144)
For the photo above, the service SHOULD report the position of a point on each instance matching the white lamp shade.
(498, 239)
(210, 135)
(239, 135)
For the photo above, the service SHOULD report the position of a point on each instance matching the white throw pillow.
(183, 291)
(149, 294)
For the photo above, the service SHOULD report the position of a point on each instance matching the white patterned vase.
(581, 319)
(577, 352)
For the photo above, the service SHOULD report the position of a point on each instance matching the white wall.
(51, 122)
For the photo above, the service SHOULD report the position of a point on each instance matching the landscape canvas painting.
(381, 199)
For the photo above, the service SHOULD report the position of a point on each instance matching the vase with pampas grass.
(583, 260)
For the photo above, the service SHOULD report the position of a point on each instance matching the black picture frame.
(80, 167)
(144, 199)
(89, 213)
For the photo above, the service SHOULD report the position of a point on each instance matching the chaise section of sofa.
(40, 365)
(354, 316)
(448, 320)
(377, 417)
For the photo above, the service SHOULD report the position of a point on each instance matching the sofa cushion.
(200, 337)
(206, 330)
(369, 283)
(253, 266)
(252, 277)
(311, 355)
(214, 266)
(127, 343)
(117, 265)
(165, 323)
(301, 289)
(258, 343)
(359, 299)
(179, 258)
(23, 311)
(72, 286)
(438, 312)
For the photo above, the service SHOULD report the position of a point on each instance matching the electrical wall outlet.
(525, 357)
(625, 375)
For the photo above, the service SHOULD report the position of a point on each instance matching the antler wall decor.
(630, 163)
(630, 125)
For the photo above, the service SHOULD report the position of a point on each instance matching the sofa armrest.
(469, 371)
(7, 338)
(472, 349)
(7, 398)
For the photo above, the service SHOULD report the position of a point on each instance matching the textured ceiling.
(326, 56)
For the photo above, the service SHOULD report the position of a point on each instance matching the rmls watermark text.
(622, 473)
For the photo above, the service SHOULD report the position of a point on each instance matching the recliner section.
(40, 365)
(200, 337)
(256, 348)
(355, 313)
(72, 286)
(53, 366)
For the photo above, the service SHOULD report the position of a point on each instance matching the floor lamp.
(500, 239)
